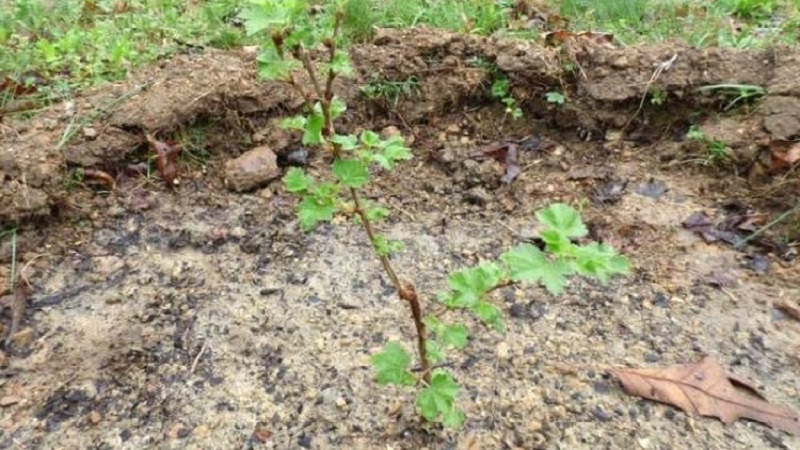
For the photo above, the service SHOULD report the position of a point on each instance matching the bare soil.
(199, 318)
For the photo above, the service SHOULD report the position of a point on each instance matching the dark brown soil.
(196, 317)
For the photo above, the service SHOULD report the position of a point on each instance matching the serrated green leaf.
(437, 400)
(370, 138)
(600, 261)
(346, 142)
(275, 69)
(489, 314)
(564, 219)
(529, 264)
(341, 64)
(392, 151)
(557, 243)
(351, 172)
(391, 365)
(266, 15)
(435, 354)
(313, 210)
(454, 335)
(297, 180)
(385, 247)
(468, 285)
(338, 107)
(433, 324)
(294, 123)
(375, 213)
(313, 130)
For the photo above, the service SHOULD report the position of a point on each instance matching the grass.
(55, 48)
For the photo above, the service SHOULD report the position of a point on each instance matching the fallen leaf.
(166, 159)
(652, 188)
(785, 154)
(99, 177)
(703, 388)
(505, 152)
(610, 191)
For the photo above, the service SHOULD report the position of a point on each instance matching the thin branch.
(405, 292)
(300, 53)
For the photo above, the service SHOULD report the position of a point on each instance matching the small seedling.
(556, 98)
(391, 92)
(294, 33)
(657, 97)
(500, 88)
(718, 152)
(737, 92)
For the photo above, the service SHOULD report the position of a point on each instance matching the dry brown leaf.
(785, 154)
(703, 388)
(166, 159)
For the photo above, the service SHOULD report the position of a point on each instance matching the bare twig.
(197, 358)
(663, 66)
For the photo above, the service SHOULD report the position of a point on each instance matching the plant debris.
(610, 192)
(166, 159)
(505, 152)
(703, 388)
(785, 154)
(652, 188)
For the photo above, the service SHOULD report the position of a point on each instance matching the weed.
(718, 152)
(657, 97)
(736, 92)
(294, 32)
(556, 98)
(391, 91)
(500, 87)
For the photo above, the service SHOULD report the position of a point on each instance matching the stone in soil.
(252, 170)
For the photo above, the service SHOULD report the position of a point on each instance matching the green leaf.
(313, 134)
(258, 18)
(489, 314)
(376, 213)
(313, 210)
(468, 285)
(391, 365)
(341, 64)
(454, 335)
(437, 400)
(557, 243)
(391, 151)
(370, 138)
(435, 353)
(338, 107)
(385, 247)
(527, 263)
(600, 261)
(346, 142)
(351, 172)
(294, 123)
(564, 219)
(297, 180)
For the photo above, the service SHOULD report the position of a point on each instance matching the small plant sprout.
(737, 93)
(718, 152)
(556, 98)
(500, 87)
(295, 35)
(657, 97)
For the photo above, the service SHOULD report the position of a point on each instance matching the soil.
(194, 317)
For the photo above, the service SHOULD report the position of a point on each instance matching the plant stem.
(405, 292)
(327, 129)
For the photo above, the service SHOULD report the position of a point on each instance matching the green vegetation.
(718, 152)
(391, 92)
(52, 49)
(500, 87)
(293, 32)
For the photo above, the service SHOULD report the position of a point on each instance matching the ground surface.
(204, 319)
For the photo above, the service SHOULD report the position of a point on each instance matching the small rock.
(478, 196)
(9, 400)
(254, 169)
(90, 133)
(3, 359)
(599, 414)
(534, 426)
(200, 431)
(298, 157)
(94, 417)
(23, 338)
(453, 128)
(503, 351)
(389, 131)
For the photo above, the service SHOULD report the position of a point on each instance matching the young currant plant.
(296, 31)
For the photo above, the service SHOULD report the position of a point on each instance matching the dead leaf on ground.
(703, 388)
(504, 152)
(785, 154)
(99, 177)
(166, 159)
